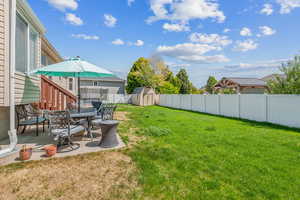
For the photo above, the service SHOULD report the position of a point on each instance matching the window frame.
(30, 28)
(71, 83)
(95, 83)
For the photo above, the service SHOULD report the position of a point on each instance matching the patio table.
(88, 114)
(109, 133)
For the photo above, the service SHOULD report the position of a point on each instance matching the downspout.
(12, 39)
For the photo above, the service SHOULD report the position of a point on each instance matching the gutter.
(12, 132)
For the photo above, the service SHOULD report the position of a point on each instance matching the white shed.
(143, 96)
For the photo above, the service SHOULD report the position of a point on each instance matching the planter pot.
(25, 154)
(50, 150)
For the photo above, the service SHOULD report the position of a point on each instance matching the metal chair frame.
(61, 120)
(30, 116)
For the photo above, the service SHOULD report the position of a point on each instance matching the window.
(26, 46)
(71, 84)
(21, 45)
(33, 37)
(95, 83)
(44, 60)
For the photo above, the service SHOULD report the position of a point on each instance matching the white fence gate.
(277, 109)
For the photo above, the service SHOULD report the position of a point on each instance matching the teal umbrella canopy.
(74, 67)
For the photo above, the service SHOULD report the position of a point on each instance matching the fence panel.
(229, 105)
(169, 100)
(253, 107)
(163, 100)
(198, 103)
(212, 104)
(284, 110)
(277, 109)
(186, 102)
(176, 101)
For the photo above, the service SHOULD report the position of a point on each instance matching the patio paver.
(38, 142)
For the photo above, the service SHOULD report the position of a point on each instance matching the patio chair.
(97, 105)
(63, 129)
(106, 112)
(28, 116)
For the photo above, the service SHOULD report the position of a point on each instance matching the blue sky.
(245, 38)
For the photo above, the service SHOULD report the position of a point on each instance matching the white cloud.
(226, 30)
(118, 42)
(267, 9)
(213, 39)
(260, 64)
(62, 5)
(245, 32)
(139, 43)
(288, 5)
(266, 30)
(86, 37)
(130, 2)
(185, 10)
(191, 52)
(73, 19)
(176, 27)
(246, 45)
(110, 20)
(177, 65)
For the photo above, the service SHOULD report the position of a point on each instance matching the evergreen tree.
(184, 83)
(211, 82)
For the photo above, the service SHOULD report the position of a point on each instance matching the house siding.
(111, 87)
(4, 69)
(3, 11)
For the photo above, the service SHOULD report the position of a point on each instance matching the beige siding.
(27, 89)
(2, 50)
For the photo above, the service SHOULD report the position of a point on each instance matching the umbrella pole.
(78, 85)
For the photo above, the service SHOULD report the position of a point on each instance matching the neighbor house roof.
(108, 79)
(273, 77)
(247, 81)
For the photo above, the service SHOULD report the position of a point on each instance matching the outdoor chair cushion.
(32, 121)
(63, 132)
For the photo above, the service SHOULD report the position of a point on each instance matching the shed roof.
(144, 90)
(138, 90)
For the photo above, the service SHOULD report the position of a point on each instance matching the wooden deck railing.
(53, 96)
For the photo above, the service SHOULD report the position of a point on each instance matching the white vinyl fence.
(277, 109)
(109, 98)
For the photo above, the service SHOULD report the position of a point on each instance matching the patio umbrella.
(74, 67)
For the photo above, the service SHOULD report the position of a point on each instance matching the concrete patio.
(39, 142)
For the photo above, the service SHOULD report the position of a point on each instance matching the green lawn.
(187, 155)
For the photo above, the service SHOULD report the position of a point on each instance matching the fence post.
(239, 105)
(219, 104)
(267, 109)
(191, 102)
(205, 103)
